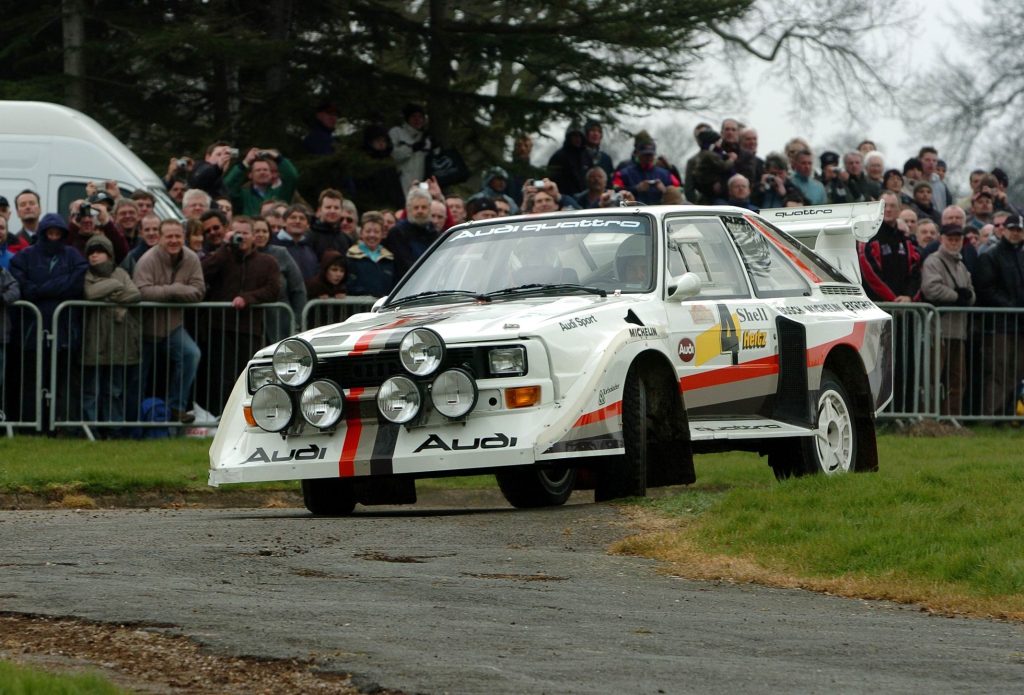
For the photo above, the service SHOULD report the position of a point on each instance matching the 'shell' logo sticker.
(687, 350)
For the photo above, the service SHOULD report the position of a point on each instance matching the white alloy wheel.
(834, 440)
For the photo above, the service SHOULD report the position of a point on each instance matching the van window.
(75, 190)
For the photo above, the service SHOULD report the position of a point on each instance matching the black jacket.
(999, 278)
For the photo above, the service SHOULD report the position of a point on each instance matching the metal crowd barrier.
(979, 364)
(21, 371)
(108, 375)
(951, 363)
(956, 363)
(914, 329)
(322, 312)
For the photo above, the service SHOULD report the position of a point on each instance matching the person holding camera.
(89, 219)
(238, 274)
(945, 281)
(643, 177)
(774, 185)
(178, 170)
(261, 166)
(208, 175)
(410, 145)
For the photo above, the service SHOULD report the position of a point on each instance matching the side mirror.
(378, 304)
(683, 287)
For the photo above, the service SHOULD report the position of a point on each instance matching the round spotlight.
(421, 351)
(398, 399)
(453, 393)
(293, 362)
(321, 404)
(272, 408)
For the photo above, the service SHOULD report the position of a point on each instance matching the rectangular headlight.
(260, 375)
(507, 361)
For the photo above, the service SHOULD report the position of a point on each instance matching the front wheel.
(533, 486)
(626, 476)
(329, 496)
(833, 448)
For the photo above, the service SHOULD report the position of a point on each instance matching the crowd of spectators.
(250, 238)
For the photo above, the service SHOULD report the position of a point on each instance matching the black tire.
(833, 449)
(534, 486)
(328, 496)
(626, 476)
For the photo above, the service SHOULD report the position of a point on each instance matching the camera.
(85, 210)
(181, 163)
(233, 151)
(424, 186)
(236, 240)
(538, 183)
(769, 182)
(265, 154)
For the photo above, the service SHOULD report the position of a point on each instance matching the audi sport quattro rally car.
(598, 348)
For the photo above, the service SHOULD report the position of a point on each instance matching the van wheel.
(626, 476)
(833, 448)
(533, 486)
(329, 496)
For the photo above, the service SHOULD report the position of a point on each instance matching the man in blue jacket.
(50, 272)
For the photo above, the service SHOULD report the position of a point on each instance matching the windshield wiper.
(547, 287)
(430, 294)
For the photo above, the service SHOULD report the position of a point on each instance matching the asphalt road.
(482, 600)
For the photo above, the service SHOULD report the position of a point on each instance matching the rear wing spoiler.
(831, 230)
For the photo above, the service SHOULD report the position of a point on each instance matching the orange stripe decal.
(611, 410)
(816, 355)
(766, 366)
(353, 429)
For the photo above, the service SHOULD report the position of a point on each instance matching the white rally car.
(594, 348)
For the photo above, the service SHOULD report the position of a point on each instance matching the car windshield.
(557, 255)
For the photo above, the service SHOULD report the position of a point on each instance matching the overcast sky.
(934, 34)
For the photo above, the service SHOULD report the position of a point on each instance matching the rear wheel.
(534, 486)
(328, 496)
(626, 476)
(833, 448)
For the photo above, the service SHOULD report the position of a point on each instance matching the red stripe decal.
(604, 413)
(766, 366)
(816, 355)
(353, 428)
(363, 344)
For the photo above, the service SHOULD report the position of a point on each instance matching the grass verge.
(64, 469)
(18, 680)
(939, 525)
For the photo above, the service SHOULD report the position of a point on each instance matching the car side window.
(701, 246)
(770, 273)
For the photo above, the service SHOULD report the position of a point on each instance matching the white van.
(55, 151)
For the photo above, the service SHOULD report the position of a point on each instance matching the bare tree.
(980, 99)
(838, 55)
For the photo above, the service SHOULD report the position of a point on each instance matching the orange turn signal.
(522, 396)
(247, 412)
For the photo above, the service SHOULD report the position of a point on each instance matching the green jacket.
(246, 200)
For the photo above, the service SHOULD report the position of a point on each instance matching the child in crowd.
(111, 346)
(330, 283)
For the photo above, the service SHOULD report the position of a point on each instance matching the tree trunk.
(73, 26)
(439, 74)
